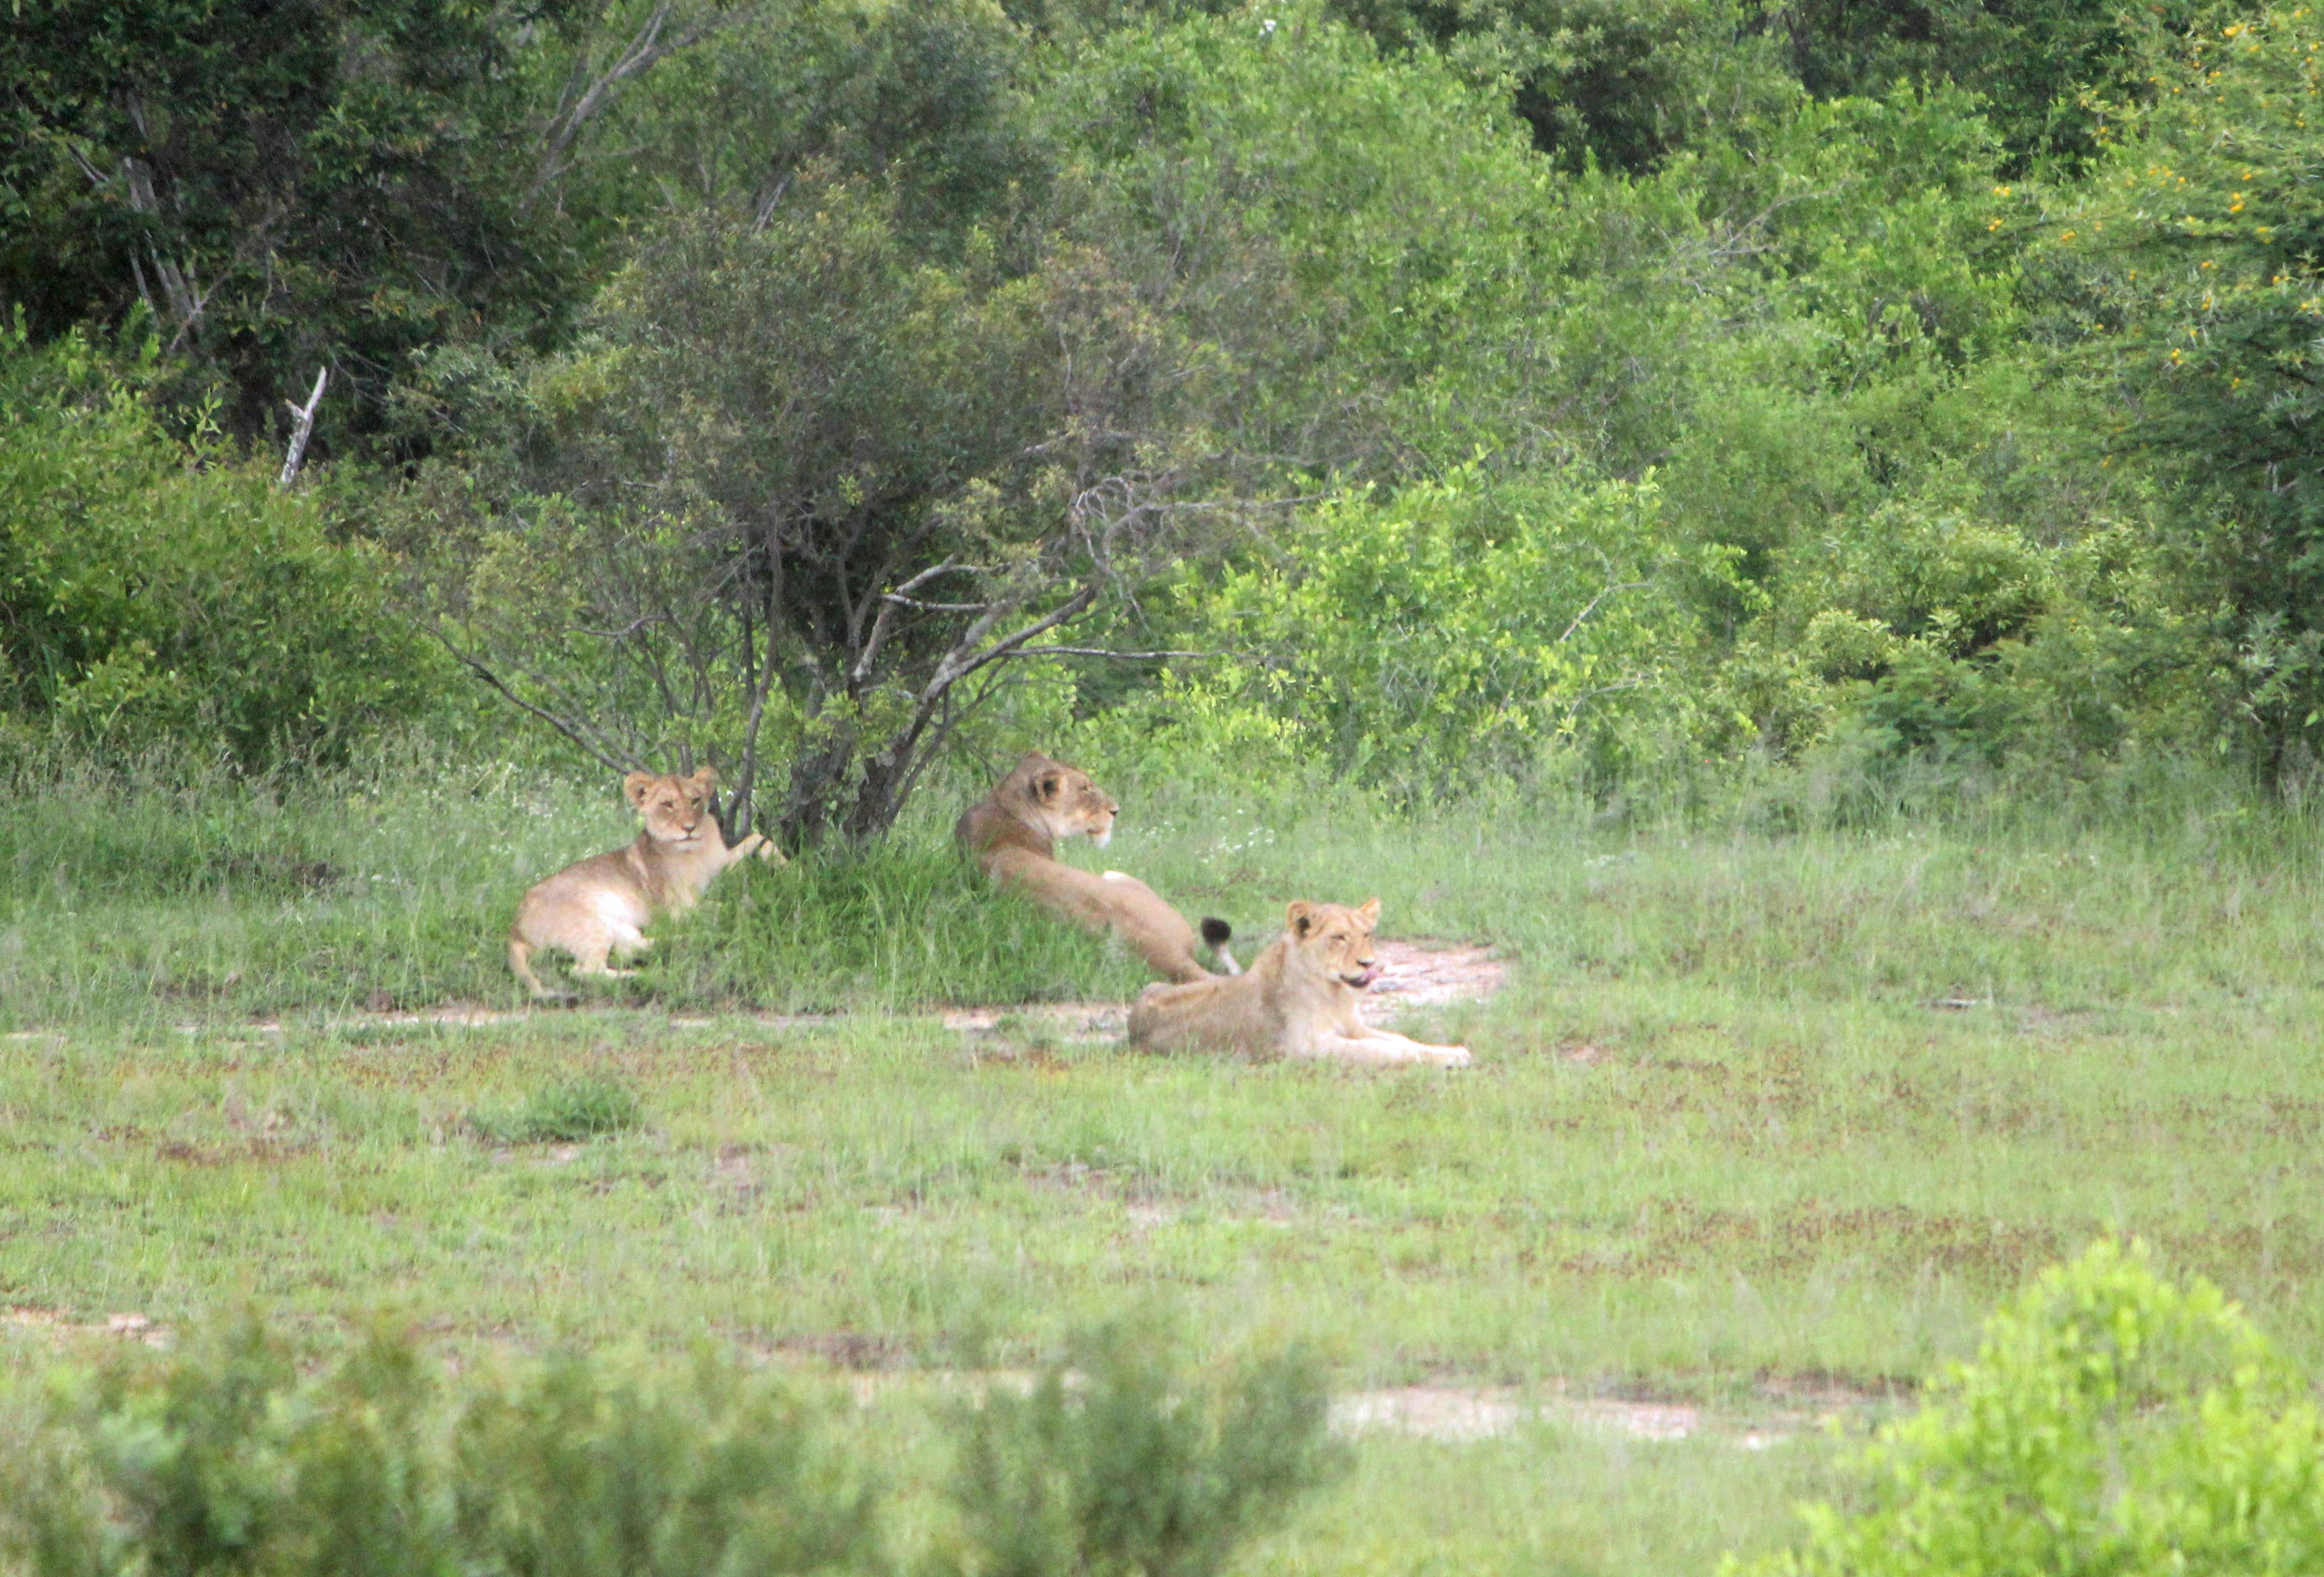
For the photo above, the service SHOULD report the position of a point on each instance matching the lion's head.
(675, 808)
(1059, 800)
(1332, 940)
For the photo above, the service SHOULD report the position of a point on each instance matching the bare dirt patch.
(1414, 975)
(1778, 1410)
(61, 1327)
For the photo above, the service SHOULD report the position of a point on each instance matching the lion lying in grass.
(1297, 1000)
(600, 907)
(1013, 835)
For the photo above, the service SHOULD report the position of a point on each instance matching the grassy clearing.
(1755, 1105)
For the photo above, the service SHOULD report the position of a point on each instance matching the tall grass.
(210, 898)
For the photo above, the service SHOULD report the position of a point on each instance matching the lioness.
(1298, 1000)
(600, 907)
(1013, 835)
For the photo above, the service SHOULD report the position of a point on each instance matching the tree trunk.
(818, 779)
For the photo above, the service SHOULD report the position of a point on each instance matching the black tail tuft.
(1216, 933)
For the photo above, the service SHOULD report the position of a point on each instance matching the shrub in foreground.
(1116, 1466)
(227, 1457)
(2111, 1423)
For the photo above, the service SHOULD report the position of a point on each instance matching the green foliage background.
(1641, 390)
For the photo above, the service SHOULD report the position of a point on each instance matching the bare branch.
(1591, 606)
(304, 417)
(905, 601)
(1109, 652)
(764, 214)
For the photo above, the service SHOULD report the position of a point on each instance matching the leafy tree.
(2189, 292)
(800, 491)
(928, 99)
(276, 187)
(816, 477)
(1619, 83)
(2048, 70)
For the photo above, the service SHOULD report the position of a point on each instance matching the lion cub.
(600, 907)
(1298, 1000)
(1012, 833)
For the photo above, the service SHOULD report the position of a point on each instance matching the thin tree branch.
(644, 50)
(1592, 607)
(569, 730)
(1109, 652)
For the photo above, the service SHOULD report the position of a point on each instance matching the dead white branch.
(304, 416)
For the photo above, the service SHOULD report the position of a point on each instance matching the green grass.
(1756, 1107)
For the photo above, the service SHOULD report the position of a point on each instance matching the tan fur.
(1013, 835)
(1298, 1000)
(600, 907)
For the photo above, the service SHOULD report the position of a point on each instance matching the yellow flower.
(2069, 235)
(1992, 224)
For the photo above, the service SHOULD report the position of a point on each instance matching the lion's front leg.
(1379, 1049)
(1451, 1056)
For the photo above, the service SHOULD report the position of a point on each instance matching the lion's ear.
(1368, 911)
(1301, 916)
(706, 779)
(1047, 788)
(637, 785)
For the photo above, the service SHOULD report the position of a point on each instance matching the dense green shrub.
(223, 1458)
(1116, 1466)
(1454, 628)
(2191, 295)
(156, 593)
(2110, 1423)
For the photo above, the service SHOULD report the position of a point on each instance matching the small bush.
(1122, 1463)
(2111, 1423)
(566, 1112)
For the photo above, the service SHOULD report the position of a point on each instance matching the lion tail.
(1216, 935)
